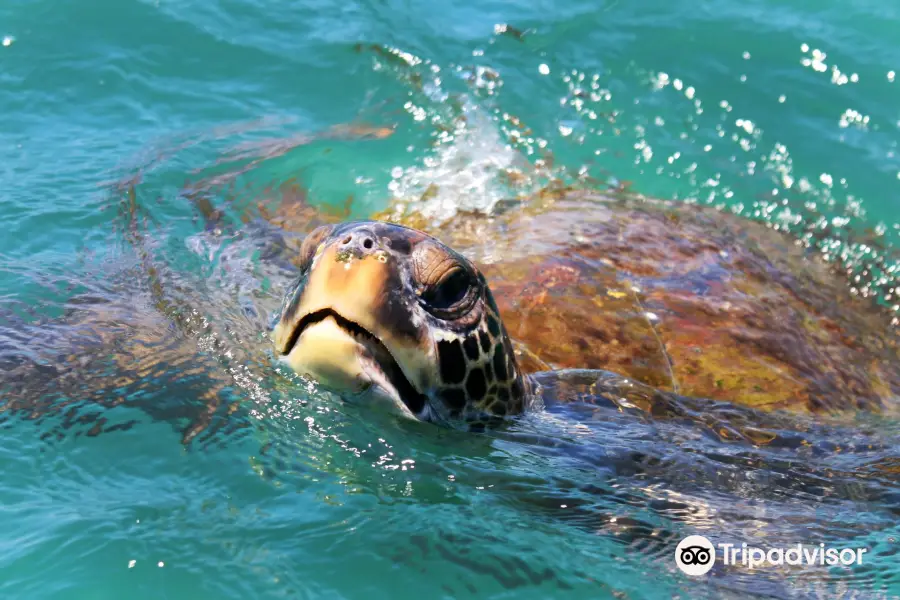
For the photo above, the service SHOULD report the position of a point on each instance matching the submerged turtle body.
(681, 300)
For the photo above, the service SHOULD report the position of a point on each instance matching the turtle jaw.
(347, 358)
(348, 326)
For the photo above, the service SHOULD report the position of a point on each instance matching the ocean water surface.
(166, 456)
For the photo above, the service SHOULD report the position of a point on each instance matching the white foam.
(465, 172)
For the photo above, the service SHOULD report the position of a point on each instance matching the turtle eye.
(447, 288)
(449, 291)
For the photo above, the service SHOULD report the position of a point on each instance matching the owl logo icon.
(695, 555)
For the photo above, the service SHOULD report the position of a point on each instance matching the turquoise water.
(782, 111)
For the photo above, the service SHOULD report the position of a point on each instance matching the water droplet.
(745, 124)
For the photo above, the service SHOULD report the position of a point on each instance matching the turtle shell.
(683, 298)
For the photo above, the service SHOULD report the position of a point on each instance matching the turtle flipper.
(593, 392)
(86, 372)
(704, 439)
(597, 388)
(590, 395)
(140, 339)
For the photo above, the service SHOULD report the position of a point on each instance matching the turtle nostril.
(359, 241)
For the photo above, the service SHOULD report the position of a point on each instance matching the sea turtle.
(662, 298)
(576, 295)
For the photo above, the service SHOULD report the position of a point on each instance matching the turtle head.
(387, 312)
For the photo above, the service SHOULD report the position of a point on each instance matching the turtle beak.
(343, 328)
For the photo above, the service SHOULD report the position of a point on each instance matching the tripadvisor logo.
(695, 555)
